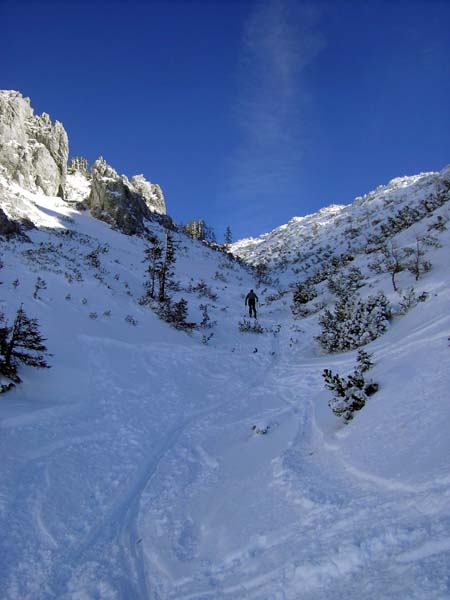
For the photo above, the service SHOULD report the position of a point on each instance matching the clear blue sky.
(247, 113)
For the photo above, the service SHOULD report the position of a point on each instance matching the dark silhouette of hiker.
(251, 299)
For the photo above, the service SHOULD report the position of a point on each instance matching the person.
(251, 299)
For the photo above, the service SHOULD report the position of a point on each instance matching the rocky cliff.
(34, 153)
(123, 203)
(33, 150)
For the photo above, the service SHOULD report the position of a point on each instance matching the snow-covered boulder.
(33, 150)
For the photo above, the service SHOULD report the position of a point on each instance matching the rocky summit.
(33, 155)
(33, 150)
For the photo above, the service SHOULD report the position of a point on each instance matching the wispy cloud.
(279, 42)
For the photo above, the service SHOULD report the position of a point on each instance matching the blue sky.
(247, 113)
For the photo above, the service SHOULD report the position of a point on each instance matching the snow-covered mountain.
(295, 249)
(151, 462)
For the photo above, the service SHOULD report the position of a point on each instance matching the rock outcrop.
(10, 228)
(33, 150)
(151, 193)
(34, 153)
(114, 199)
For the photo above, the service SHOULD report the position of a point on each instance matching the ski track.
(323, 503)
(302, 522)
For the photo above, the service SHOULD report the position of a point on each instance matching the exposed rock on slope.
(34, 153)
(33, 150)
(124, 204)
(151, 193)
(8, 228)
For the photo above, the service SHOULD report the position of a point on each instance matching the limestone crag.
(114, 199)
(33, 150)
(151, 192)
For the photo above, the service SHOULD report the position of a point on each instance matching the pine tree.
(261, 270)
(3, 335)
(348, 395)
(209, 234)
(22, 343)
(354, 322)
(196, 229)
(153, 257)
(364, 360)
(304, 292)
(227, 238)
(178, 315)
(165, 273)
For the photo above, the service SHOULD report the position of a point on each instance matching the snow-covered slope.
(296, 249)
(130, 469)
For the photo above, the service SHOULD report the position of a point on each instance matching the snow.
(130, 469)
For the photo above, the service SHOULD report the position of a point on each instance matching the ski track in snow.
(300, 520)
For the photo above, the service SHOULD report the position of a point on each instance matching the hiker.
(251, 299)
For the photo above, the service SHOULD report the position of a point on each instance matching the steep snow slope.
(130, 469)
(296, 248)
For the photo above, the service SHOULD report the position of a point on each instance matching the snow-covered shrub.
(408, 215)
(93, 315)
(206, 322)
(350, 394)
(389, 259)
(207, 338)
(440, 224)
(106, 313)
(274, 297)
(417, 264)
(177, 315)
(203, 290)
(246, 326)
(92, 258)
(131, 320)
(174, 313)
(304, 292)
(5, 387)
(430, 240)
(218, 276)
(364, 361)
(39, 285)
(354, 322)
(346, 283)
(408, 301)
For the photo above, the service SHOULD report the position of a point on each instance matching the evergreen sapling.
(22, 343)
